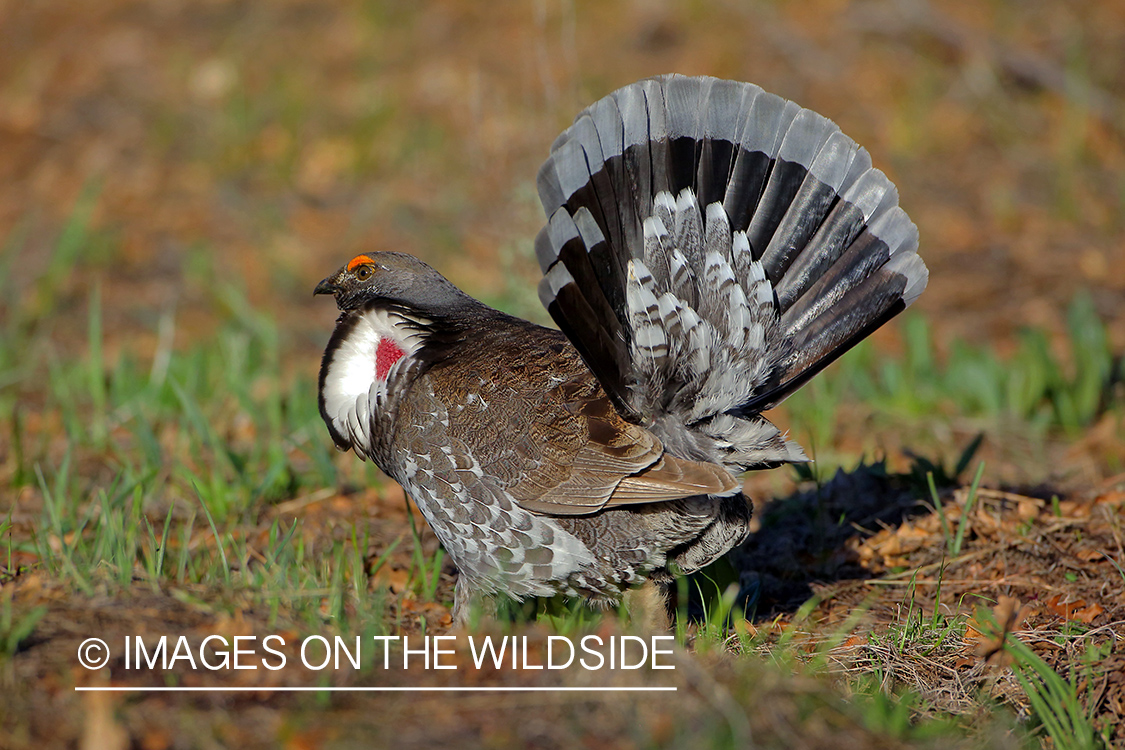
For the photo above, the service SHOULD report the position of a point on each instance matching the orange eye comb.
(359, 260)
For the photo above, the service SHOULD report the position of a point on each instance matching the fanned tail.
(709, 248)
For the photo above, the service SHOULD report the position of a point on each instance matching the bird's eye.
(363, 273)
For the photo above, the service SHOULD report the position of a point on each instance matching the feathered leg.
(470, 606)
(648, 607)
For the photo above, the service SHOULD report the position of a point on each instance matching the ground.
(175, 177)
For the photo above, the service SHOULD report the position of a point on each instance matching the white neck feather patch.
(355, 385)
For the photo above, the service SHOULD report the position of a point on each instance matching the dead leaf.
(990, 636)
(1111, 498)
(1073, 509)
(396, 579)
(309, 739)
(1077, 611)
(156, 739)
(1087, 614)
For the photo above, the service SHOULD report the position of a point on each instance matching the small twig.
(1010, 496)
(297, 503)
(937, 565)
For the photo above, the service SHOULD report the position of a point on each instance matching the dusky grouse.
(709, 247)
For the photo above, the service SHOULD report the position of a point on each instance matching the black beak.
(327, 286)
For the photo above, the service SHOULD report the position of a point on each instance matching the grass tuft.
(1035, 387)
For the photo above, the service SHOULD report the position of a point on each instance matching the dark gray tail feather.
(709, 248)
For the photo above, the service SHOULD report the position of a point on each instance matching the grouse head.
(394, 281)
(398, 318)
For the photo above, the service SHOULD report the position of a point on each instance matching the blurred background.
(176, 177)
(194, 145)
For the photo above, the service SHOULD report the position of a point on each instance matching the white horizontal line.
(394, 689)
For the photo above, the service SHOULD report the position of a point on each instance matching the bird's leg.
(466, 601)
(648, 607)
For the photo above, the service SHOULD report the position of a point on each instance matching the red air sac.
(386, 354)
